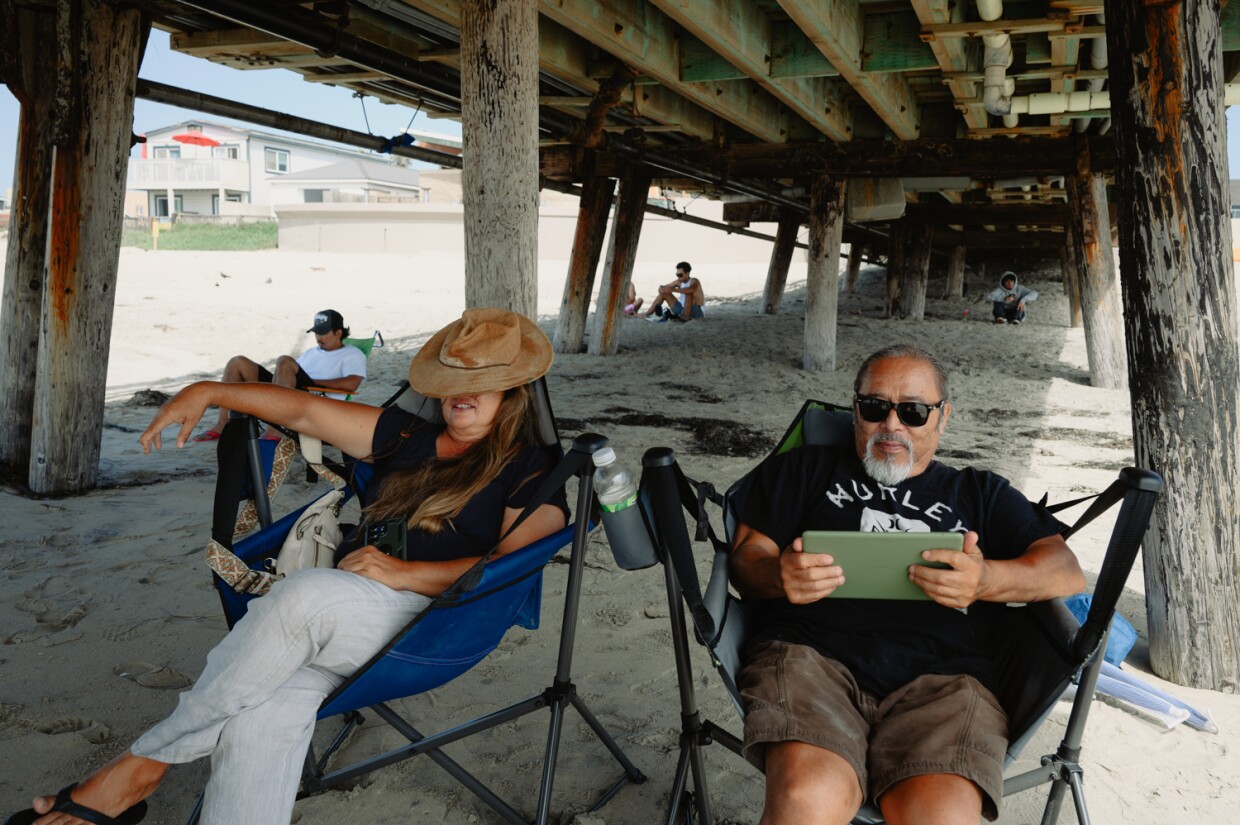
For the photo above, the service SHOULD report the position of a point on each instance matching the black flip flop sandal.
(64, 804)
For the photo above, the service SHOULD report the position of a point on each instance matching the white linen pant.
(253, 708)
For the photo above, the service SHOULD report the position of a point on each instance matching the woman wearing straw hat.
(459, 485)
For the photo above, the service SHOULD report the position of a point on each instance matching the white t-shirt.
(339, 363)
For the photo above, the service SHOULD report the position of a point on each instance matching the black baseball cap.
(326, 321)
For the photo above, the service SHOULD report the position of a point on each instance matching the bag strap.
(239, 576)
(247, 517)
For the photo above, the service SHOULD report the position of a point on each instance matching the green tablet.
(876, 565)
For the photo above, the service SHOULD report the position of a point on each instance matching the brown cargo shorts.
(934, 724)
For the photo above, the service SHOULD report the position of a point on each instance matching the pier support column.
(822, 300)
(499, 137)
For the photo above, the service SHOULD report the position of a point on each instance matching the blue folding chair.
(460, 628)
(1038, 649)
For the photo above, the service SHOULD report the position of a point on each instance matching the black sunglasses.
(910, 413)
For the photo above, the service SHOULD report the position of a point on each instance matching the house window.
(230, 152)
(313, 195)
(161, 205)
(1235, 211)
(215, 201)
(277, 160)
(167, 151)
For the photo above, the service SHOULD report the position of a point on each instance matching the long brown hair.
(435, 493)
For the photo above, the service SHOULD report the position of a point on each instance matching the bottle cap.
(604, 457)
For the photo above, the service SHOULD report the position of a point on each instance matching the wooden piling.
(1071, 280)
(955, 273)
(826, 231)
(916, 270)
(1181, 316)
(32, 69)
(499, 135)
(98, 47)
(597, 194)
(781, 259)
(626, 232)
(1100, 298)
(896, 243)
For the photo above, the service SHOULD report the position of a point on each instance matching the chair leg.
(548, 771)
(680, 800)
(562, 691)
(196, 813)
(560, 696)
(352, 720)
(1054, 801)
(1078, 797)
(701, 791)
(693, 805)
(450, 765)
(631, 771)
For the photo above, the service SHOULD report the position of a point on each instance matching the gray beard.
(887, 472)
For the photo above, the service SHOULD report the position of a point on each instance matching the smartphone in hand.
(388, 536)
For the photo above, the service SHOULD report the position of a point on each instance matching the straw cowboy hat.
(486, 350)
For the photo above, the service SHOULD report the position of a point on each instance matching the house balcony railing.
(182, 173)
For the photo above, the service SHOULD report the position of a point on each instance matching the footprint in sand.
(94, 732)
(152, 676)
(54, 605)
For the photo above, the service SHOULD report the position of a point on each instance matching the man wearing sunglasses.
(850, 699)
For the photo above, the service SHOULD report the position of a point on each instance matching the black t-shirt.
(404, 442)
(885, 643)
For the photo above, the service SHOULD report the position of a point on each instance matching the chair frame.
(1080, 646)
(557, 697)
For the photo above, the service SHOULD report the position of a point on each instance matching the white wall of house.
(159, 143)
(438, 230)
(244, 164)
(342, 191)
(271, 158)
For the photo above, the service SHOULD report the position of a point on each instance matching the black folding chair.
(1038, 649)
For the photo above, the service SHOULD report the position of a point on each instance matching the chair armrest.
(1056, 621)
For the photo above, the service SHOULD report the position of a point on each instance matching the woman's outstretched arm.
(346, 424)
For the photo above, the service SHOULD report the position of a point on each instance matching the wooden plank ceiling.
(704, 79)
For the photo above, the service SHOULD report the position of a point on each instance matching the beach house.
(198, 167)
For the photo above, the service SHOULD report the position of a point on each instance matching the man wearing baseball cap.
(333, 365)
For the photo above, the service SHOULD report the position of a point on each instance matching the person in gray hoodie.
(1010, 299)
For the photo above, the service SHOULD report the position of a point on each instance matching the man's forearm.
(755, 573)
(1047, 570)
(349, 383)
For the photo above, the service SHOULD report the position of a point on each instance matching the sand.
(106, 609)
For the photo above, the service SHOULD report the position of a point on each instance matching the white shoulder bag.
(314, 538)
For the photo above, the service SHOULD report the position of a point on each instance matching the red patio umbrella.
(196, 139)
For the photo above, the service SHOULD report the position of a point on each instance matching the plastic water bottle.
(622, 518)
